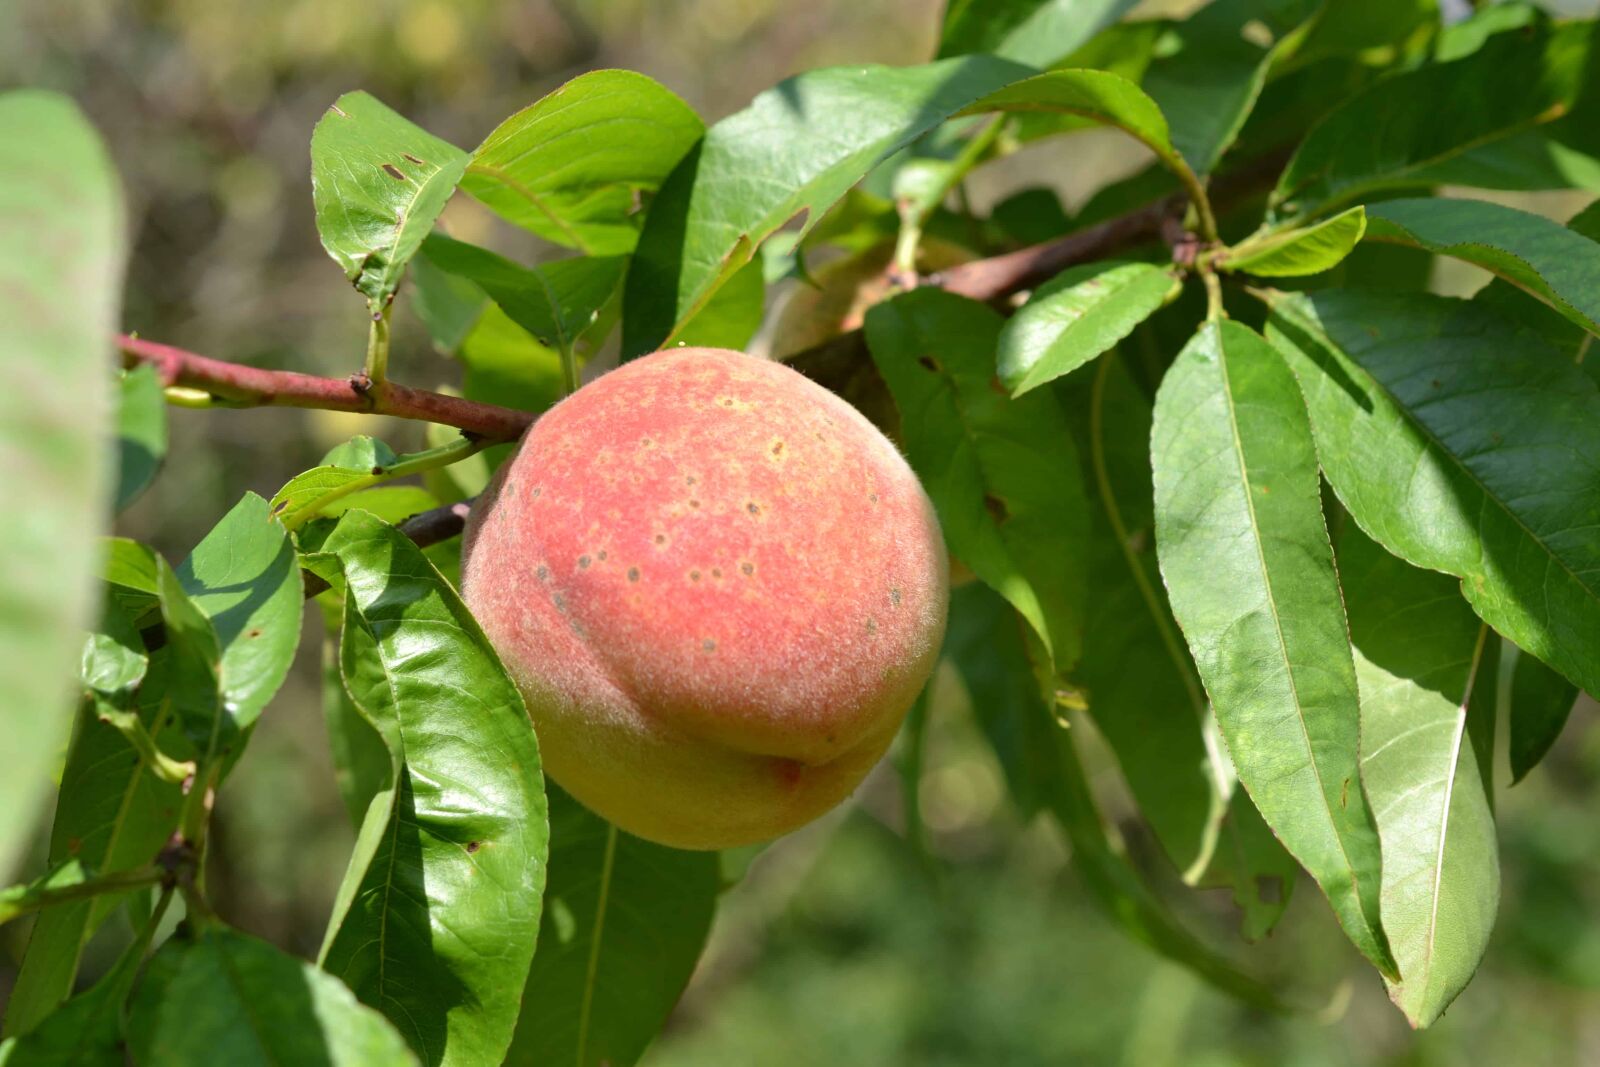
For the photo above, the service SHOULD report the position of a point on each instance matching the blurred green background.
(840, 946)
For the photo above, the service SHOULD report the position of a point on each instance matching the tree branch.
(242, 386)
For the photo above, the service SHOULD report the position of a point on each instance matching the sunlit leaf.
(1247, 562)
(1295, 252)
(435, 922)
(379, 182)
(1035, 32)
(141, 433)
(1462, 444)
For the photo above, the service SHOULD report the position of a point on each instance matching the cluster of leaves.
(1132, 465)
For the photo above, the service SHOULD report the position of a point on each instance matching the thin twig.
(242, 386)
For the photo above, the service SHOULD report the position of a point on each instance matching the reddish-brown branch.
(245, 386)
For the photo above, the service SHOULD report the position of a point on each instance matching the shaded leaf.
(1042, 768)
(223, 997)
(60, 284)
(435, 922)
(1426, 682)
(571, 166)
(555, 302)
(1296, 252)
(141, 433)
(1462, 444)
(1245, 554)
(1035, 32)
(361, 762)
(1074, 317)
(1559, 265)
(624, 923)
(1385, 136)
(1541, 701)
(1002, 472)
(378, 182)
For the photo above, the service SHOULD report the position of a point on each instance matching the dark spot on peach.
(894, 597)
(543, 573)
(690, 480)
(560, 602)
(694, 503)
(747, 568)
(583, 561)
(694, 576)
(716, 572)
(872, 626)
(753, 508)
(709, 645)
(602, 556)
(536, 492)
(777, 448)
(661, 539)
(872, 497)
(633, 574)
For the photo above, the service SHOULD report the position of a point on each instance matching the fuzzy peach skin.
(719, 588)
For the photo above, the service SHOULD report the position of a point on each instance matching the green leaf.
(505, 364)
(1425, 683)
(733, 315)
(327, 489)
(435, 922)
(571, 166)
(1541, 701)
(379, 183)
(1143, 692)
(555, 302)
(1385, 136)
(1245, 554)
(223, 997)
(1210, 73)
(1461, 444)
(391, 503)
(1075, 316)
(361, 763)
(1528, 161)
(1035, 32)
(624, 923)
(791, 154)
(111, 814)
(60, 283)
(1002, 472)
(1556, 264)
(141, 433)
(244, 578)
(1297, 252)
(448, 305)
(1041, 764)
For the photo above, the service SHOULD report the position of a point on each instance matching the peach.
(718, 587)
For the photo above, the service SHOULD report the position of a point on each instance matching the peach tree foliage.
(1225, 478)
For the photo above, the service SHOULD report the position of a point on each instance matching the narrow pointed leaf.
(223, 997)
(624, 923)
(571, 166)
(1074, 317)
(60, 283)
(1462, 444)
(1002, 472)
(1308, 250)
(1035, 32)
(555, 302)
(1424, 674)
(1541, 702)
(1556, 264)
(1245, 554)
(1143, 691)
(435, 922)
(1388, 135)
(378, 182)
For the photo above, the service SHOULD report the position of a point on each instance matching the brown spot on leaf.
(413, 159)
(473, 846)
(996, 507)
(394, 172)
(929, 363)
